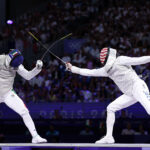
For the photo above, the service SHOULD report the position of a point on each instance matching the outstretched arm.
(133, 61)
(28, 75)
(87, 72)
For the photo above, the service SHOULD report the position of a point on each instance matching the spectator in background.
(86, 94)
(66, 58)
(89, 64)
(19, 43)
(53, 96)
(128, 130)
(86, 131)
(141, 130)
(102, 128)
(123, 114)
(52, 131)
(52, 134)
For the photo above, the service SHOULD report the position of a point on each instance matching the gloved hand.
(68, 66)
(39, 64)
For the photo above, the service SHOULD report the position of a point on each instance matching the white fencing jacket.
(121, 72)
(8, 74)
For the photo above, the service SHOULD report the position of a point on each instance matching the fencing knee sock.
(110, 123)
(29, 124)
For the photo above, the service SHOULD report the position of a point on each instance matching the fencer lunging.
(10, 64)
(119, 69)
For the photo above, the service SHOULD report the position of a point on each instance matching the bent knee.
(110, 108)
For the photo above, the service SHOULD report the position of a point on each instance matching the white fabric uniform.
(134, 89)
(8, 74)
(14, 102)
(9, 97)
(121, 72)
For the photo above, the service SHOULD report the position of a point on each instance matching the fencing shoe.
(38, 139)
(106, 140)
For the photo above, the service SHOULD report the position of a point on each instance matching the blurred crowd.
(123, 25)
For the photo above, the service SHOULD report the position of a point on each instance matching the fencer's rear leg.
(118, 104)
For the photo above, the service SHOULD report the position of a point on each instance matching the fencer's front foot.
(106, 140)
(37, 139)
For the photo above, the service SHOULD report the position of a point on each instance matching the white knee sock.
(110, 123)
(29, 124)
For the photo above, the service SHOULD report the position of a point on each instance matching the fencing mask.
(14, 58)
(108, 57)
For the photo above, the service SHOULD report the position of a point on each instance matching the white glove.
(68, 66)
(39, 64)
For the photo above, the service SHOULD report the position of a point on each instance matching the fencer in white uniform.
(119, 69)
(10, 64)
